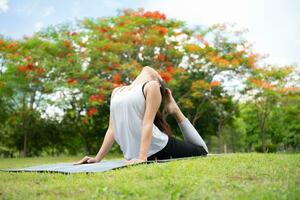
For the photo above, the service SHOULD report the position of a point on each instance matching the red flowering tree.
(266, 87)
(22, 81)
(83, 62)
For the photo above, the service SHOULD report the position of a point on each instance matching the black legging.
(176, 148)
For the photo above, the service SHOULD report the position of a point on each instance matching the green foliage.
(83, 62)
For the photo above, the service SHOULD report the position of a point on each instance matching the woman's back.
(127, 109)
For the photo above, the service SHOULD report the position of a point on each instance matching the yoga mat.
(68, 168)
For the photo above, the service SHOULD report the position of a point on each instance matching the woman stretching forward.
(137, 125)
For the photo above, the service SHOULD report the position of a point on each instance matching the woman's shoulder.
(152, 85)
(115, 90)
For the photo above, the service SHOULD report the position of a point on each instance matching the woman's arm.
(153, 100)
(108, 141)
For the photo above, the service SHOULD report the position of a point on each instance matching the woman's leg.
(176, 148)
(190, 134)
(193, 144)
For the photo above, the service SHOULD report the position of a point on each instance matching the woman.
(140, 129)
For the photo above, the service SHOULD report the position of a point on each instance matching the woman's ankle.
(179, 116)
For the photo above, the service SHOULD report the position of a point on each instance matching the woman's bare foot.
(171, 106)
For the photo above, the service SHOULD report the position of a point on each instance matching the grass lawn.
(231, 176)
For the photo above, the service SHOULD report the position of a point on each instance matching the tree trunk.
(263, 139)
(198, 112)
(24, 152)
(232, 143)
(27, 120)
(262, 134)
(24, 126)
(219, 134)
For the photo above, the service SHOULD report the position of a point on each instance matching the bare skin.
(172, 107)
(153, 96)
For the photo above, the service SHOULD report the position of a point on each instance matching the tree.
(75, 66)
(267, 86)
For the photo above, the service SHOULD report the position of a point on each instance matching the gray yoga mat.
(102, 166)
(68, 168)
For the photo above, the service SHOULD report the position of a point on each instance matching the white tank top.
(127, 108)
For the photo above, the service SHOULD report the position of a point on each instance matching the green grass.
(231, 176)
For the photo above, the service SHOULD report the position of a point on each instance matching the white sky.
(273, 25)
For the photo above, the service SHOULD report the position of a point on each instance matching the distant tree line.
(55, 86)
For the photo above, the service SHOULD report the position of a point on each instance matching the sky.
(273, 25)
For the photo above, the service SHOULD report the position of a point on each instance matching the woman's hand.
(134, 161)
(86, 159)
(171, 106)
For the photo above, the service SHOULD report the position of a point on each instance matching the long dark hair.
(160, 117)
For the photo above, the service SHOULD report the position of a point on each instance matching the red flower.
(93, 97)
(30, 65)
(160, 57)
(116, 84)
(154, 15)
(116, 78)
(68, 44)
(262, 84)
(97, 97)
(115, 64)
(149, 41)
(103, 29)
(41, 70)
(170, 69)
(166, 76)
(11, 45)
(23, 68)
(161, 30)
(72, 81)
(106, 47)
(92, 111)
(200, 38)
(215, 83)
